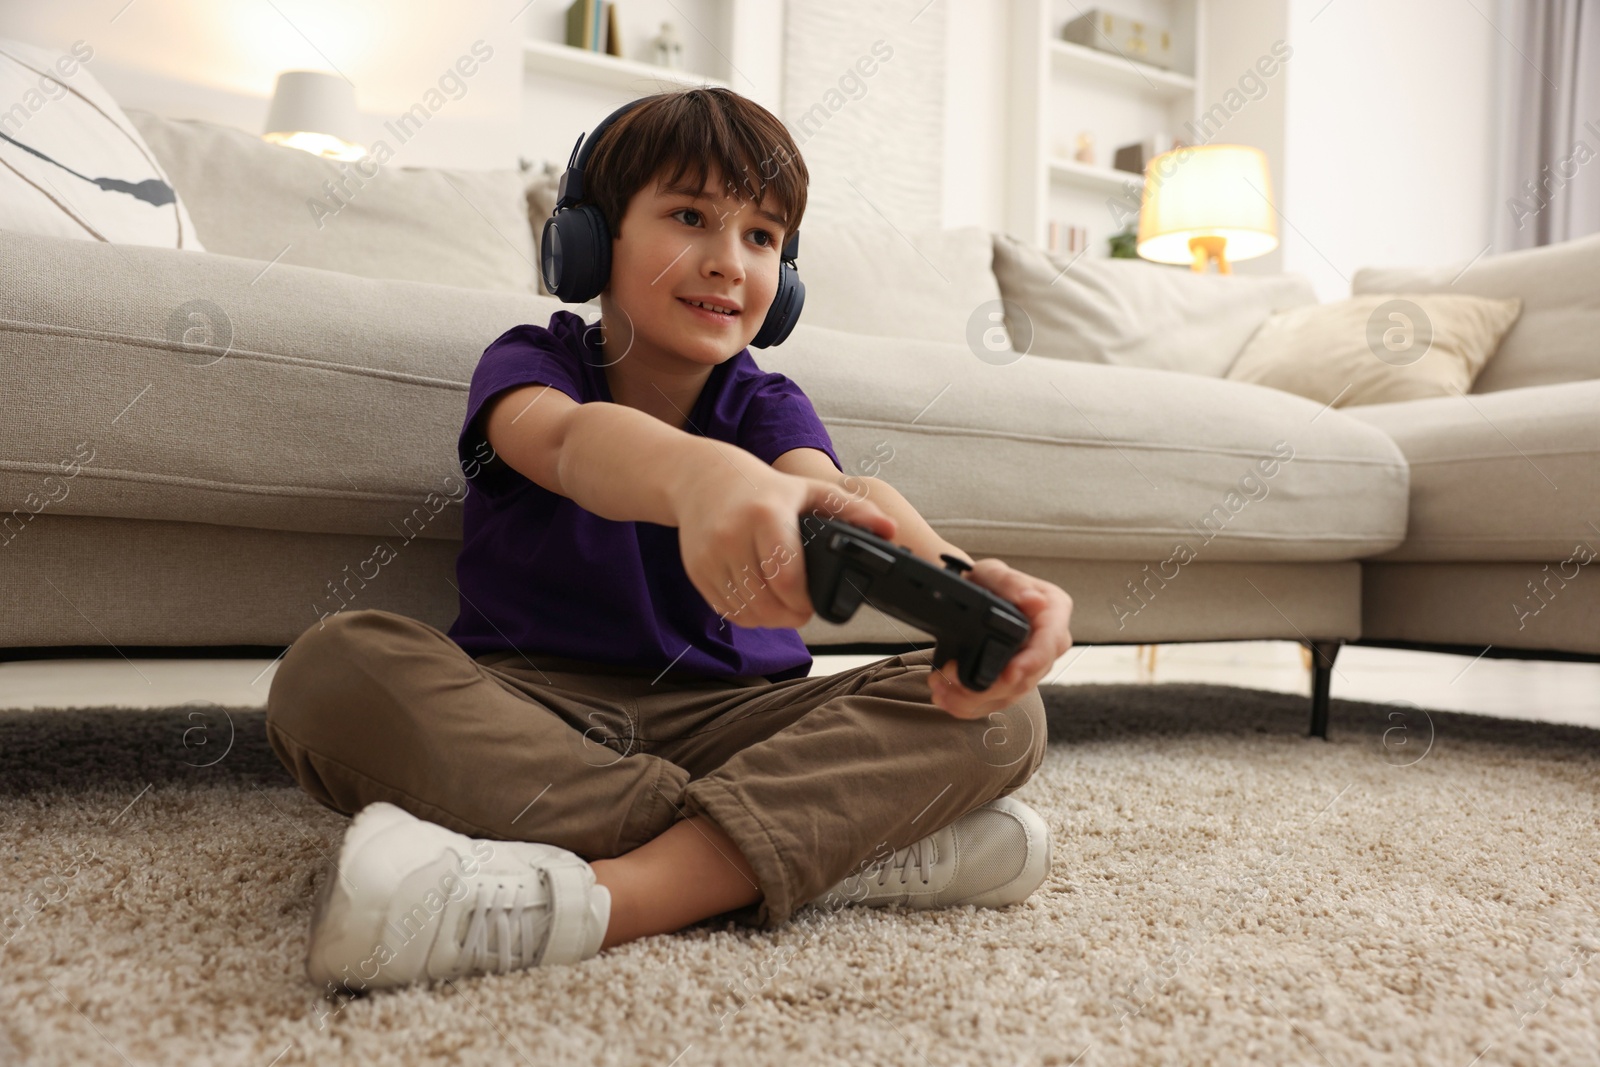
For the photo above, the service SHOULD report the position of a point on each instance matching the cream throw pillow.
(1377, 348)
(374, 218)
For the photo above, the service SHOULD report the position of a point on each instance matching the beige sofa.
(205, 453)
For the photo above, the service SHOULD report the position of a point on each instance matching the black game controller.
(846, 566)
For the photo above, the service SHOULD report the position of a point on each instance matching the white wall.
(1388, 146)
(974, 136)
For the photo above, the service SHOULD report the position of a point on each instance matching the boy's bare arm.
(613, 460)
(733, 512)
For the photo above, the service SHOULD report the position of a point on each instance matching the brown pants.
(809, 777)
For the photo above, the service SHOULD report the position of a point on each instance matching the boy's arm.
(733, 512)
(912, 529)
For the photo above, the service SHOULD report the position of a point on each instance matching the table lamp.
(315, 112)
(1205, 202)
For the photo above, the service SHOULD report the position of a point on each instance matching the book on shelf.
(1067, 238)
(592, 26)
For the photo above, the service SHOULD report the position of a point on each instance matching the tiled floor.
(1524, 689)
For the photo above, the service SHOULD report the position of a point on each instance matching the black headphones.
(575, 248)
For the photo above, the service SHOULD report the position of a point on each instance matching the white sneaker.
(992, 856)
(410, 901)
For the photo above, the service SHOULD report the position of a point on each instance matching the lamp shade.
(314, 111)
(1207, 191)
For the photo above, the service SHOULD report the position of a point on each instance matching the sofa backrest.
(1557, 336)
(257, 200)
(1135, 313)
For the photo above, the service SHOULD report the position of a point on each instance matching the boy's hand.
(1049, 610)
(739, 534)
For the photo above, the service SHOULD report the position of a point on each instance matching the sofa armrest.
(186, 386)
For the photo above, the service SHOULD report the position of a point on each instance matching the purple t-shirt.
(540, 574)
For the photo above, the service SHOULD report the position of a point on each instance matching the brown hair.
(673, 134)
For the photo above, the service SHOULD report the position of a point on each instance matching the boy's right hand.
(739, 534)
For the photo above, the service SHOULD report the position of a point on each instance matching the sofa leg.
(1322, 656)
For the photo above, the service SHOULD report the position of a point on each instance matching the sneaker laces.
(918, 855)
(490, 915)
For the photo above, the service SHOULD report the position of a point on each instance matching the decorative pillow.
(371, 218)
(1377, 348)
(867, 277)
(71, 164)
(1132, 312)
(1559, 285)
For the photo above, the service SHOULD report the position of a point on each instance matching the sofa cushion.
(1509, 475)
(1130, 312)
(1051, 458)
(870, 278)
(335, 404)
(73, 165)
(262, 201)
(1377, 348)
(1557, 337)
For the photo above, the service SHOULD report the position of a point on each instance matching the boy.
(618, 736)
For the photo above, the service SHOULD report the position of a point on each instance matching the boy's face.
(682, 244)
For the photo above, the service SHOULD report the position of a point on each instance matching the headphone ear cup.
(575, 253)
(785, 310)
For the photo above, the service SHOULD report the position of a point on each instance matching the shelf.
(608, 71)
(1118, 70)
(1102, 179)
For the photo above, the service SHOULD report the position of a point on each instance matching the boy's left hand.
(1049, 611)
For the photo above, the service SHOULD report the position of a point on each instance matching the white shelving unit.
(1058, 89)
(606, 71)
(736, 44)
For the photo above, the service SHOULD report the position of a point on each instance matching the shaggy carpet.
(1421, 889)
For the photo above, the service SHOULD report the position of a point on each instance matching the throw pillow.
(372, 218)
(1554, 337)
(1377, 348)
(71, 164)
(1132, 312)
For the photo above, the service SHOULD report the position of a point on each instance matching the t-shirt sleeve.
(779, 417)
(525, 355)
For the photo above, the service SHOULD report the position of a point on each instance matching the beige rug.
(1422, 889)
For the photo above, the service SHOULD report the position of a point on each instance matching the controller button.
(955, 564)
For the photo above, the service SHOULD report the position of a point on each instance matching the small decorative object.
(1124, 245)
(1120, 35)
(666, 48)
(1133, 158)
(1085, 150)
